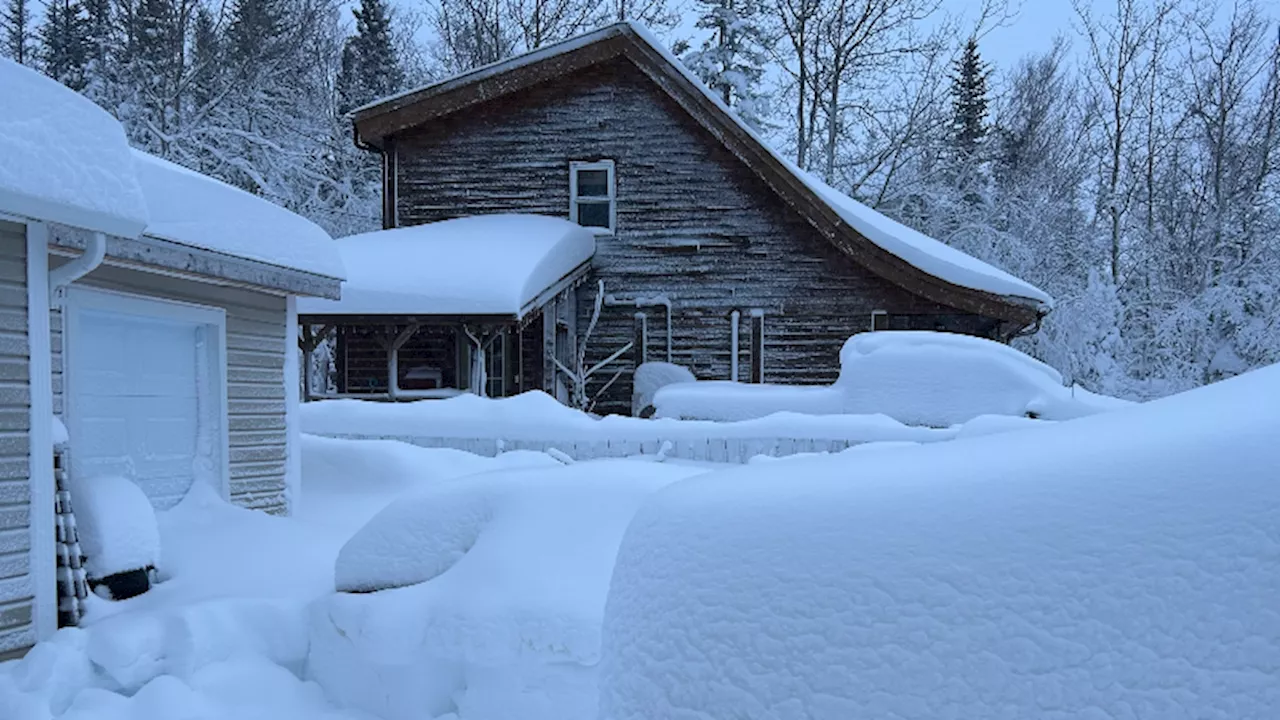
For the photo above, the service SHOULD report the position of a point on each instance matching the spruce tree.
(64, 44)
(256, 36)
(206, 52)
(16, 31)
(151, 75)
(101, 42)
(731, 62)
(969, 101)
(370, 68)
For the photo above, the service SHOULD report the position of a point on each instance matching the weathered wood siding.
(16, 591)
(255, 374)
(694, 224)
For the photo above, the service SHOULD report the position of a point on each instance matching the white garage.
(145, 395)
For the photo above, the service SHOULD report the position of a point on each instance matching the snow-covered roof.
(199, 211)
(480, 265)
(64, 159)
(916, 249)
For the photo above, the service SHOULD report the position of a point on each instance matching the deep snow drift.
(512, 570)
(1123, 565)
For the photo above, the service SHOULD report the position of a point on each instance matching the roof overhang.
(377, 122)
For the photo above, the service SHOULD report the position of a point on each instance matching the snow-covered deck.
(487, 265)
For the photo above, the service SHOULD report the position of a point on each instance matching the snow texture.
(651, 377)
(196, 210)
(507, 575)
(916, 377)
(536, 416)
(60, 436)
(117, 525)
(480, 265)
(65, 159)
(1117, 566)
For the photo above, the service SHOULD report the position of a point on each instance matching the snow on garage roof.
(912, 247)
(64, 159)
(480, 265)
(196, 210)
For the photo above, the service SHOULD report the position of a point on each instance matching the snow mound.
(941, 379)
(512, 569)
(196, 210)
(481, 265)
(651, 377)
(1121, 565)
(65, 159)
(117, 525)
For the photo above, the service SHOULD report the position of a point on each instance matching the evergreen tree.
(969, 101)
(731, 62)
(64, 43)
(370, 68)
(256, 37)
(100, 42)
(16, 33)
(151, 74)
(206, 50)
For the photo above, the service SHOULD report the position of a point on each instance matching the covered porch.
(483, 305)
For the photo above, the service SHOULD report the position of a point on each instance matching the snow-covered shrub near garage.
(1122, 565)
(507, 575)
(651, 377)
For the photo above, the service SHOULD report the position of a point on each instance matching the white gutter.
(95, 251)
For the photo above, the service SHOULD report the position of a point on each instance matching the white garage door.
(144, 392)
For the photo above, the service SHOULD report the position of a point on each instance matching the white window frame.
(577, 166)
(211, 320)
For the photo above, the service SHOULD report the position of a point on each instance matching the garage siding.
(16, 630)
(255, 375)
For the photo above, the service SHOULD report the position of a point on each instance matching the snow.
(65, 159)
(480, 265)
(651, 377)
(116, 523)
(536, 416)
(59, 434)
(506, 577)
(1121, 565)
(198, 211)
(915, 377)
(941, 379)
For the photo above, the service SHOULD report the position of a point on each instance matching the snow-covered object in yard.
(193, 209)
(1121, 565)
(60, 434)
(941, 379)
(651, 377)
(63, 158)
(512, 569)
(480, 265)
(117, 525)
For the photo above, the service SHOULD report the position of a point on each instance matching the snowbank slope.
(1122, 565)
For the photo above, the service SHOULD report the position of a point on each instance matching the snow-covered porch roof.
(906, 257)
(494, 266)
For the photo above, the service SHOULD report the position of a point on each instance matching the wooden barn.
(715, 252)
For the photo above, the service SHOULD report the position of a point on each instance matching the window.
(592, 195)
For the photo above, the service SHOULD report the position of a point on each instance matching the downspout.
(642, 301)
(95, 251)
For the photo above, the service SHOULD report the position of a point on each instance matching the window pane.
(593, 183)
(593, 214)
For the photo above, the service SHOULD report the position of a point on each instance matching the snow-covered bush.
(117, 525)
(506, 576)
(651, 377)
(1121, 565)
